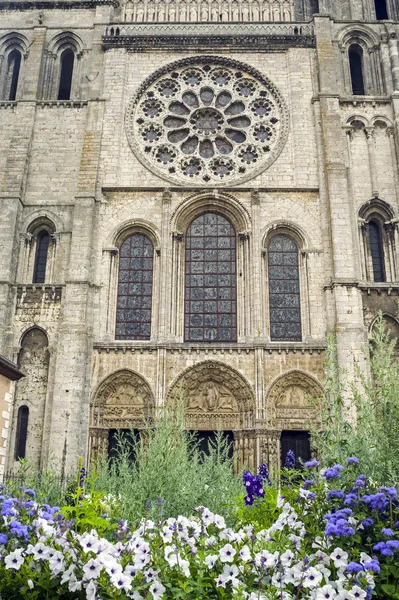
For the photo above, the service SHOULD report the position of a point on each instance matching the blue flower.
(310, 464)
(3, 539)
(374, 566)
(352, 460)
(331, 473)
(354, 567)
(336, 494)
(289, 460)
(387, 531)
(30, 492)
(367, 522)
(393, 544)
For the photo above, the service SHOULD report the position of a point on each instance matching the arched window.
(22, 432)
(356, 69)
(381, 11)
(284, 292)
(210, 281)
(67, 59)
(13, 68)
(376, 251)
(42, 244)
(133, 313)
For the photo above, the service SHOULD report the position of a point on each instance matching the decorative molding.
(60, 4)
(234, 36)
(208, 11)
(207, 119)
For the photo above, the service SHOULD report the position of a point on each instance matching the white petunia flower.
(345, 595)
(227, 553)
(121, 581)
(357, 592)
(339, 557)
(327, 592)
(312, 578)
(210, 560)
(14, 560)
(92, 569)
(245, 554)
(91, 591)
(286, 558)
(157, 590)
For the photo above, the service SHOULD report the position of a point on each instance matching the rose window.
(207, 119)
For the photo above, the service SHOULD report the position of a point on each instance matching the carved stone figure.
(288, 405)
(123, 400)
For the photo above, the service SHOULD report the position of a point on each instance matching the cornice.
(263, 37)
(53, 4)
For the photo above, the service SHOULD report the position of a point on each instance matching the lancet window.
(210, 280)
(22, 432)
(284, 289)
(135, 283)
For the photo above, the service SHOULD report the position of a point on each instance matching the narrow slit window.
(67, 61)
(381, 11)
(14, 66)
(284, 291)
(356, 69)
(133, 313)
(22, 432)
(210, 281)
(39, 273)
(377, 252)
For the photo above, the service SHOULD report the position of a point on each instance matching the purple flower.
(331, 473)
(354, 567)
(374, 566)
(249, 500)
(307, 484)
(350, 500)
(393, 544)
(352, 460)
(30, 492)
(3, 539)
(387, 531)
(310, 464)
(336, 494)
(289, 460)
(367, 522)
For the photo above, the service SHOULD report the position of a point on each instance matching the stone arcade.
(194, 194)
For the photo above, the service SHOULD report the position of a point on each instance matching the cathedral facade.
(194, 195)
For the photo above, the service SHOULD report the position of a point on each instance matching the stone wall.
(81, 169)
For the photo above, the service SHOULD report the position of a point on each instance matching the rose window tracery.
(207, 119)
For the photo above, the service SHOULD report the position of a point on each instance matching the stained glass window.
(42, 244)
(376, 251)
(133, 314)
(284, 292)
(22, 432)
(210, 284)
(14, 66)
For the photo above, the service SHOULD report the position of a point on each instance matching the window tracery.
(38, 252)
(135, 282)
(210, 280)
(362, 65)
(207, 119)
(13, 49)
(284, 289)
(378, 241)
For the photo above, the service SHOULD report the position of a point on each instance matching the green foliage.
(168, 474)
(48, 484)
(85, 508)
(373, 435)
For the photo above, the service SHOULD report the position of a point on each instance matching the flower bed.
(42, 556)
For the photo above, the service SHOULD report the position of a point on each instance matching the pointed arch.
(377, 238)
(216, 396)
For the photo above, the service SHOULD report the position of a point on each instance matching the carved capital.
(243, 236)
(178, 236)
(255, 197)
(55, 237)
(369, 131)
(166, 195)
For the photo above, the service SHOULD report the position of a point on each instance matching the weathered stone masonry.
(257, 112)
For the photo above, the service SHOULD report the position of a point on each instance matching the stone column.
(343, 296)
(70, 412)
